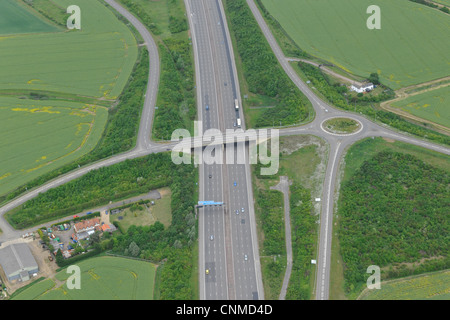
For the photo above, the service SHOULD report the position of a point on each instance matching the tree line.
(262, 71)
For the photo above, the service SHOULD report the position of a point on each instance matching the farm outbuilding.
(18, 262)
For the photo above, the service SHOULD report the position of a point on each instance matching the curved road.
(143, 145)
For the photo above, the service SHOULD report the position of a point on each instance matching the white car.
(242, 210)
(245, 257)
(211, 237)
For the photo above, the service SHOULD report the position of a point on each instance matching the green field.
(435, 286)
(431, 105)
(411, 47)
(41, 135)
(94, 61)
(102, 278)
(14, 19)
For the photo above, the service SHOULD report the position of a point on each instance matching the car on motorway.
(237, 211)
(235, 184)
(207, 271)
(211, 237)
(242, 210)
(210, 175)
(245, 257)
(207, 107)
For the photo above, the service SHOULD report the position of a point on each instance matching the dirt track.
(402, 94)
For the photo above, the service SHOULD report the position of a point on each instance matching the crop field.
(94, 61)
(14, 19)
(411, 47)
(431, 105)
(40, 135)
(102, 278)
(435, 286)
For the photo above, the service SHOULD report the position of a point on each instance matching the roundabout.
(341, 126)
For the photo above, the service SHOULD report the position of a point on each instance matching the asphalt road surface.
(228, 251)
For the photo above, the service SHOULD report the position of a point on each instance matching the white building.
(365, 87)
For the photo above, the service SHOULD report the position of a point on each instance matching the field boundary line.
(427, 274)
(402, 94)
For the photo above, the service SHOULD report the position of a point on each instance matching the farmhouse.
(363, 88)
(18, 262)
(87, 226)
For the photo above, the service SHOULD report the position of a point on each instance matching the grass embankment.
(398, 191)
(263, 80)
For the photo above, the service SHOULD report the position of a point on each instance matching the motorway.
(227, 234)
(234, 235)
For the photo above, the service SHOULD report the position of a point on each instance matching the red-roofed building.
(87, 225)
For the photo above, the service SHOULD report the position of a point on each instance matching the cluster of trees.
(262, 72)
(303, 228)
(176, 97)
(360, 104)
(270, 211)
(393, 210)
(177, 19)
(432, 5)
